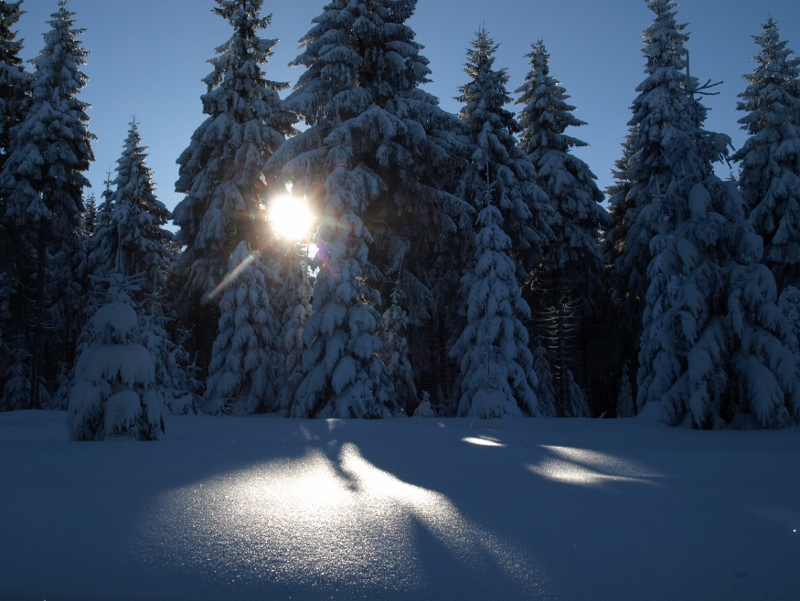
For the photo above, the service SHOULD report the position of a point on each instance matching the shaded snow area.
(519, 509)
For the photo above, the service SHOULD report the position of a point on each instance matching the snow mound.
(651, 413)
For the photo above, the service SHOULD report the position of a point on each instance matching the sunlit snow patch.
(320, 521)
(589, 468)
(483, 441)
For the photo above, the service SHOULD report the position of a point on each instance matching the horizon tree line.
(465, 266)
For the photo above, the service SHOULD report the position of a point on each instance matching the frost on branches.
(718, 343)
(770, 158)
(243, 374)
(114, 393)
(497, 377)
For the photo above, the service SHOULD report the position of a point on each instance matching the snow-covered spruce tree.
(14, 86)
(90, 217)
(614, 236)
(221, 172)
(573, 257)
(770, 158)
(497, 160)
(377, 156)
(662, 112)
(716, 339)
(293, 302)
(114, 393)
(101, 259)
(14, 83)
(571, 271)
(613, 243)
(545, 391)
(343, 375)
(497, 376)
(396, 359)
(17, 389)
(42, 181)
(625, 404)
(141, 244)
(243, 376)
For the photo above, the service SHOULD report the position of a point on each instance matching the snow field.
(258, 508)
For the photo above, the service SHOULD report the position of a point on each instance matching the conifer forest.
(455, 265)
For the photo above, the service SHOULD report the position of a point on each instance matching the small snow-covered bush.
(113, 393)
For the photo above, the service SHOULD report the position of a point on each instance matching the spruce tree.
(496, 159)
(573, 256)
(42, 181)
(663, 111)
(14, 86)
(294, 299)
(377, 156)
(497, 376)
(396, 359)
(717, 342)
(90, 217)
(222, 171)
(101, 258)
(770, 158)
(14, 82)
(625, 403)
(141, 244)
(571, 271)
(17, 389)
(243, 376)
(545, 391)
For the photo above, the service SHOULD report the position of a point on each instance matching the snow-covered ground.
(272, 509)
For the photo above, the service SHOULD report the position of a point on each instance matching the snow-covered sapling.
(114, 393)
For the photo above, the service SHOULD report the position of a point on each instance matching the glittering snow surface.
(272, 509)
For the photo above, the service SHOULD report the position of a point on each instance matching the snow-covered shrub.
(114, 394)
(425, 409)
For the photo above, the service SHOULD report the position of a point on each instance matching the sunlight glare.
(290, 217)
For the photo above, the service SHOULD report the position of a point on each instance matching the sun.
(290, 217)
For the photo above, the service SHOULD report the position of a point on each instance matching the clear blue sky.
(148, 58)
